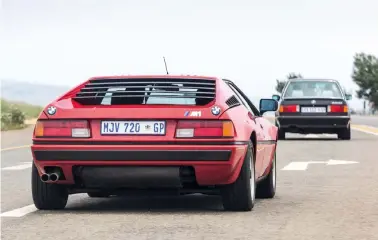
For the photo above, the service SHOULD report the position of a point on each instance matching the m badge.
(193, 114)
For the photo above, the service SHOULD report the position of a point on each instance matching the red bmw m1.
(182, 134)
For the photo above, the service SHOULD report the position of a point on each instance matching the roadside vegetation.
(14, 114)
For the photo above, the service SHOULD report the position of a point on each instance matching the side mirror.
(276, 97)
(267, 105)
(348, 96)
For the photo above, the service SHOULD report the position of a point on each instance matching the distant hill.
(31, 93)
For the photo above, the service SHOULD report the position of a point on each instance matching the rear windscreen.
(147, 91)
(312, 89)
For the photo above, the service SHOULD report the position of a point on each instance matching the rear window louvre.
(232, 101)
(147, 91)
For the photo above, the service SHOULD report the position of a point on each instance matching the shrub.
(12, 117)
(14, 114)
(17, 116)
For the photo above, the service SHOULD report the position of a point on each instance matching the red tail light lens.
(338, 108)
(193, 129)
(289, 108)
(62, 128)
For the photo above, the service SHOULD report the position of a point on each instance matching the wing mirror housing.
(348, 96)
(276, 97)
(268, 105)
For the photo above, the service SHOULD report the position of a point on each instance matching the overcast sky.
(251, 42)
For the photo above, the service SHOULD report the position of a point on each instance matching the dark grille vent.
(232, 101)
(147, 91)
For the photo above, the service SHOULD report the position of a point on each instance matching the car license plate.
(133, 127)
(313, 110)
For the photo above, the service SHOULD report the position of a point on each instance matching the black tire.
(344, 134)
(238, 195)
(47, 196)
(281, 134)
(98, 195)
(267, 187)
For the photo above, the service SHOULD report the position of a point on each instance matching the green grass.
(30, 111)
(8, 107)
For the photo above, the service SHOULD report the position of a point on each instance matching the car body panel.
(214, 172)
(269, 142)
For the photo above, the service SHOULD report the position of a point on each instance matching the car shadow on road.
(124, 204)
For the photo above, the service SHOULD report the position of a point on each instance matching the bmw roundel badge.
(51, 110)
(215, 110)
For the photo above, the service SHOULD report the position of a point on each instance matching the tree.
(365, 75)
(281, 83)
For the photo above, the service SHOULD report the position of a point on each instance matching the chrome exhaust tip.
(45, 177)
(54, 177)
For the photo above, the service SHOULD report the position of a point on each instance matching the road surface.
(332, 193)
(365, 120)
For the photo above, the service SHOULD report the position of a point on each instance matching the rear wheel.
(281, 134)
(240, 195)
(47, 196)
(344, 134)
(267, 187)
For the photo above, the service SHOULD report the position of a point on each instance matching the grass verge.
(14, 115)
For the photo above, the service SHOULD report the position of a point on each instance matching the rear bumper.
(142, 165)
(133, 155)
(314, 122)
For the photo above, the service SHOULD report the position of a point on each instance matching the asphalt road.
(327, 200)
(365, 120)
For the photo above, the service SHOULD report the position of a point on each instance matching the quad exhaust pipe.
(54, 177)
(50, 177)
(45, 177)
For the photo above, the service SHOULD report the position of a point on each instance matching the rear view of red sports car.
(181, 134)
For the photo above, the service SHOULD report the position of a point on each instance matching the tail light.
(62, 128)
(289, 108)
(198, 129)
(337, 108)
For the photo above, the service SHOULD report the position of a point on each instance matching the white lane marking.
(339, 162)
(364, 131)
(311, 136)
(298, 166)
(17, 167)
(20, 212)
(302, 166)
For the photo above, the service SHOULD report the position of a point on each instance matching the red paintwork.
(207, 173)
